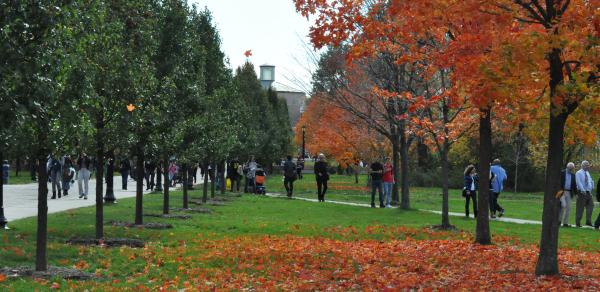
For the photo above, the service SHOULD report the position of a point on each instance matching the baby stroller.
(259, 180)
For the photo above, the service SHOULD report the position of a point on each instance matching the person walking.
(499, 175)
(470, 189)
(585, 185)
(172, 173)
(322, 176)
(289, 175)
(597, 223)
(55, 169)
(83, 175)
(233, 174)
(569, 188)
(68, 173)
(376, 173)
(5, 170)
(124, 169)
(300, 166)
(388, 181)
(149, 167)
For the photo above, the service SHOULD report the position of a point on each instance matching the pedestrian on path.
(124, 169)
(376, 173)
(150, 167)
(68, 173)
(569, 188)
(289, 176)
(233, 173)
(83, 175)
(322, 176)
(499, 175)
(55, 169)
(388, 181)
(300, 166)
(5, 169)
(172, 173)
(470, 189)
(585, 186)
(597, 223)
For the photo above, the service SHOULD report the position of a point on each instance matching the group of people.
(62, 173)
(580, 184)
(497, 178)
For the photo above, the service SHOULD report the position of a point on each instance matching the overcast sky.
(271, 29)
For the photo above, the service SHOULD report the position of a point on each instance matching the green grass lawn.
(250, 215)
(23, 178)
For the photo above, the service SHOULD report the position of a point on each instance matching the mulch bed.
(193, 210)
(209, 203)
(151, 225)
(170, 216)
(441, 228)
(111, 242)
(62, 272)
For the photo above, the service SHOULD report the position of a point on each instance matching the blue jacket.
(500, 178)
(468, 181)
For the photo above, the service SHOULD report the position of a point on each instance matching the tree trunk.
(422, 154)
(185, 186)
(547, 263)
(41, 260)
(482, 234)
(17, 166)
(205, 186)
(166, 186)
(159, 177)
(516, 172)
(445, 208)
(139, 188)
(3, 220)
(110, 175)
(213, 178)
(224, 183)
(99, 177)
(395, 158)
(405, 201)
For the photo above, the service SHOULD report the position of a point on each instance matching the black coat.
(573, 182)
(468, 181)
(321, 168)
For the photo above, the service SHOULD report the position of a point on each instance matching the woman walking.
(388, 181)
(470, 189)
(322, 176)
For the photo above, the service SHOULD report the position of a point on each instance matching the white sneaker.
(388, 206)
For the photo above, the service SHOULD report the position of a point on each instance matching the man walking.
(499, 175)
(124, 169)
(569, 188)
(289, 175)
(55, 169)
(83, 175)
(585, 185)
(376, 183)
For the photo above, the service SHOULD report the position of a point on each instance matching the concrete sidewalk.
(20, 201)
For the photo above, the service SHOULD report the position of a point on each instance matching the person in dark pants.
(300, 166)
(376, 173)
(124, 169)
(149, 167)
(289, 176)
(585, 186)
(597, 223)
(233, 174)
(322, 177)
(470, 189)
(497, 182)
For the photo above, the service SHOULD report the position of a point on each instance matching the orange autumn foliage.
(332, 131)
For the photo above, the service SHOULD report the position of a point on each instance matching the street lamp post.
(303, 142)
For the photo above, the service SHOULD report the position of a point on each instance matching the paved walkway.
(20, 201)
(501, 219)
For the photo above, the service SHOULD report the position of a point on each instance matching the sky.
(272, 29)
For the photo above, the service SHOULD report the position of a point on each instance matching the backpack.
(289, 169)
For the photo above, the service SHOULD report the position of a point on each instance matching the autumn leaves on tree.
(441, 67)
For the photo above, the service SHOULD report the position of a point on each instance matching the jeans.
(56, 179)
(125, 177)
(494, 206)
(149, 180)
(377, 185)
(235, 183)
(584, 201)
(321, 188)
(83, 178)
(288, 183)
(565, 207)
(471, 196)
(387, 191)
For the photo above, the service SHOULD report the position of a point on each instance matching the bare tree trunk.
(547, 263)
(482, 234)
(110, 193)
(212, 181)
(205, 186)
(395, 158)
(166, 186)
(445, 208)
(3, 220)
(223, 182)
(139, 188)
(185, 187)
(99, 177)
(41, 260)
(405, 201)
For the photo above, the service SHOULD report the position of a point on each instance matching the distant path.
(501, 219)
